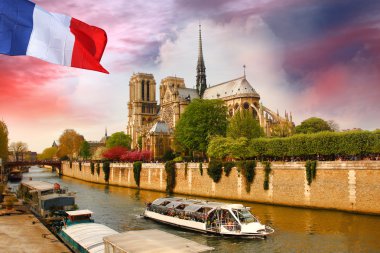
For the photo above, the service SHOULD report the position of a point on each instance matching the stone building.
(154, 124)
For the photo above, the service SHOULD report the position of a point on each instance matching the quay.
(25, 233)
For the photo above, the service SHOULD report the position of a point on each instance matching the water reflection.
(297, 230)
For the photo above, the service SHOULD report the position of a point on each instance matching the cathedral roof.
(187, 93)
(234, 87)
(159, 127)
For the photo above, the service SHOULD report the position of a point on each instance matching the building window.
(246, 105)
(142, 90)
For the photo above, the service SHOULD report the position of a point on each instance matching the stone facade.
(342, 185)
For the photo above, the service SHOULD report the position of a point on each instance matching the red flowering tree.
(115, 153)
(133, 156)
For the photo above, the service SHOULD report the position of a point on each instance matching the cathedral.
(151, 124)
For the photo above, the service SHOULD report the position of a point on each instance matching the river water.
(296, 229)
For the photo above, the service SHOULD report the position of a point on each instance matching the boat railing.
(231, 226)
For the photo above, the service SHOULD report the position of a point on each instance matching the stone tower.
(142, 105)
(201, 69)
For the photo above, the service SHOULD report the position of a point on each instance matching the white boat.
(208, 217)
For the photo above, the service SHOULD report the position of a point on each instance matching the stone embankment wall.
(343, 185)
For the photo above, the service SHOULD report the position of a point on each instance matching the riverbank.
(25, 233)
(339, 185)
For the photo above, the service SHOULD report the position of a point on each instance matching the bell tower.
(142, 105)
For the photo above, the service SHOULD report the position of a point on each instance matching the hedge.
(328, 145)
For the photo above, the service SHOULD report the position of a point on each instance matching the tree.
(115, 153)
(242, 124)
(3, 141)
(18, 149)
(69, 143)
(98, 154)
(333, 125)
(48, 153)
(85, 151)
(119, 139)
(312, 125)
(282, 129)
(201, 120)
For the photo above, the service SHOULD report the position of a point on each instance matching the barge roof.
(153, 241)
(39, 185)
(89, 235)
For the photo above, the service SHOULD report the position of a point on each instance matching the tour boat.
(207, 217)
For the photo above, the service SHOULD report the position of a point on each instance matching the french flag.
(27, 29)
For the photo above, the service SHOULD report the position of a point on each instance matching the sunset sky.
(311, 57)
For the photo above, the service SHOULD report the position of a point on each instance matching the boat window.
(194, 208)
(244, 216)
(164, 203)
(181, 207)
(173, 204)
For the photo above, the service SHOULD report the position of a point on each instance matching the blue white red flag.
(27, 29)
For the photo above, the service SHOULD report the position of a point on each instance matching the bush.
(178, 159)
(92, 167)
(168, 156)
(248, 170)
(186, 169)
(322, 145)
(170, 176)
(267, 170)
(106, 170)
(311, 171)
(98, 168)
(136, 172)
(228, 167)
(215, 170)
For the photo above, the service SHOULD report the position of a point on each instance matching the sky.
(310, 57)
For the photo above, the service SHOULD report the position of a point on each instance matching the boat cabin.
(44, 197)
(79, 216)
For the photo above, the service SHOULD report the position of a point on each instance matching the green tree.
(119, 139)
(201, 120)
(282, 129)
(221, 148)
(69, 144)
(85, 151)
(312, 125)
(3, 141)
(48, 153)
(242, 124)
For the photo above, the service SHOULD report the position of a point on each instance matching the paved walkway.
(25, 233)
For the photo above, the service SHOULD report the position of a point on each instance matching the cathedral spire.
(201, 69)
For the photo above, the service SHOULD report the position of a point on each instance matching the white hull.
(197, 226)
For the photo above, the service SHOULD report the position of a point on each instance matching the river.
(296, 229)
